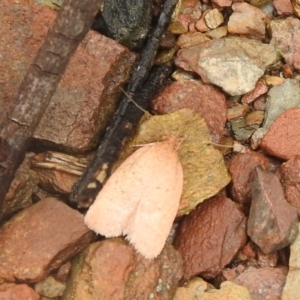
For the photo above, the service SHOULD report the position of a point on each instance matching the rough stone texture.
(50, 287)
(267, 260)
(291, 289)
(202, 98)
(20, 192)
(213, 18)
(191, 39)
(217, 33)
(287, 71)
(229, 274)
(260, 103)
(197, 288)
(194, 289)
(11, 291)
(290, 179)
(283, 138)
(63, 272)
(283, 7)
(222, 3)
(247, 19)
(210, 236)
(237, 111)
(201, 24)
(111, 269)
(280, 98)
(92, 79)
(264, 283)
(223, 62)
(272, 222)
(286, 36)
(260, 89)
(296, 6)
(204, 172)
(39, 239)
(242, 169)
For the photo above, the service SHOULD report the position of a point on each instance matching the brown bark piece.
(71, 25)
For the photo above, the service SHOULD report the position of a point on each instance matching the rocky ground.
(234, 98)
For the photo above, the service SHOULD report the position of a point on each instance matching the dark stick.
(71, 25)
(122, 127)
(146, 61)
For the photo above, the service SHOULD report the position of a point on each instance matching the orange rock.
(283, 138)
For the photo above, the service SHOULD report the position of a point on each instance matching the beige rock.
(296, 6)
(213, 18)
(197, 288)
(194, 289)
(237, 111)
(191, 39)
(291, 289)
(226, 68)
(274, 80)
(50, 287)
(286, 32)
(247, 19)
(217, 33)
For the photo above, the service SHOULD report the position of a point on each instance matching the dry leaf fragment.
(141, 198)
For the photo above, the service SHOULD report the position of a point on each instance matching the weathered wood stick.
(70, 27)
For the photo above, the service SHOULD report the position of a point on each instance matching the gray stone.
(280, 98)
(234, 64)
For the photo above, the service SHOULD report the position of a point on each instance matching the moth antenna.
(138, 106)
(135, 103)
(220, 145)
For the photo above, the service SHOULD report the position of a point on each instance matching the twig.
(126, 117)
(71, 25)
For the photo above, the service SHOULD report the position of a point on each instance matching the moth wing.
(162, 183)
(119, 198)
